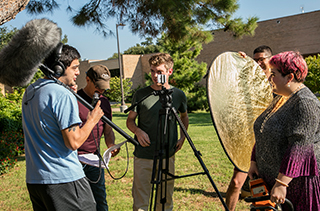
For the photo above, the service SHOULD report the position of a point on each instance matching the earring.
(288, 85)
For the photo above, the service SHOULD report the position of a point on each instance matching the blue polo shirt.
(48, 108)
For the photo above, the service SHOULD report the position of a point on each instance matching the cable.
(102, 160)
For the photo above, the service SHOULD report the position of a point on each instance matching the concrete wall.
(85, 65)
(134, 67)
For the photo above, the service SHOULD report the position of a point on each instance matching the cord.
(102, 160)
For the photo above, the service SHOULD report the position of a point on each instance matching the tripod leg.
(165, 187)
(154, 179)
(163, 196)
(197, 154)
(168, 186)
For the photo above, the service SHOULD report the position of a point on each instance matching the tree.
(65, 39)
(114, 56)
(114, 93)
(187, 72)
(145, 47)
(313, 77)
(151, 18)
(9, 9)
(6, 35)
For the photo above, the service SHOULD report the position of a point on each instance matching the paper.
(93, 160)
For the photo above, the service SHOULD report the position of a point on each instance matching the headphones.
(57, 66)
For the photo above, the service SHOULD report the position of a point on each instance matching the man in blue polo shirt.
(50, 117)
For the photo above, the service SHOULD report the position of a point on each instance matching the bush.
(10, 111)
(114, 93)
(197, 99)
(11, 146)
(313, 77)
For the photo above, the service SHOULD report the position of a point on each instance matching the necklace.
(280, 103)
(297, 89)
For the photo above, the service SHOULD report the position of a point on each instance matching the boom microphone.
(20, 59)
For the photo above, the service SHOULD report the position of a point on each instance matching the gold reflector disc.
(238, 92)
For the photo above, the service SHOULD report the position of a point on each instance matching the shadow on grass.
(200, 119)
(199, 191)
(119, 114)
(21, 158)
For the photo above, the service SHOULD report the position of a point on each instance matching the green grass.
(191, 193)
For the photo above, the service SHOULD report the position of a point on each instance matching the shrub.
(197, 98)
(11, 146)
(313, 77)
(10, 111)
(114, 93)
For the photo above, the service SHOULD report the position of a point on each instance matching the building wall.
(134, 67)
(298, 32)
(85, 65)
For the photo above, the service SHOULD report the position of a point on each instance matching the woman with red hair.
(287, 150)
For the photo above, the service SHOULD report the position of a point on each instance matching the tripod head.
(165, 97)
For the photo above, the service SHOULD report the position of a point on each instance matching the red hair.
(290, 62)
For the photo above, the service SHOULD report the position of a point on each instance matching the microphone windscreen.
(20, 59)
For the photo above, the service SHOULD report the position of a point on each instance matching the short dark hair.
(69, 54)
(66, 55)
(263, 49)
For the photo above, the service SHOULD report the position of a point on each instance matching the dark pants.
(98, 187)
(72, 196)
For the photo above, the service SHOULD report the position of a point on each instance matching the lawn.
(191, 193)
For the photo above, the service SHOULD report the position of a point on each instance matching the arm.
(109, 138)
(253, 170)
(74, 136)
(142, 136)
(185, 120)
(279, 190)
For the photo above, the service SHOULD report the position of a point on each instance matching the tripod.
(160, 177)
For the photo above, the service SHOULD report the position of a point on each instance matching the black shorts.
(76, 195)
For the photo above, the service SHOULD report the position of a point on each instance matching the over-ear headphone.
(57, 66)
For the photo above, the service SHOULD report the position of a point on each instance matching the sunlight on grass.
(191, 193)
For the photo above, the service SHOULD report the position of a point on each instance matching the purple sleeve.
(299, 158)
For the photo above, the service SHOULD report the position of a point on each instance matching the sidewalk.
(115, 109)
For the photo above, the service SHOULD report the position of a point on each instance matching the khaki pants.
(141, 189)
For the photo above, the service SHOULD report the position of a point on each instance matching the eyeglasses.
(260, 59)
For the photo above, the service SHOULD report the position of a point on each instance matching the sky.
(93, 45)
